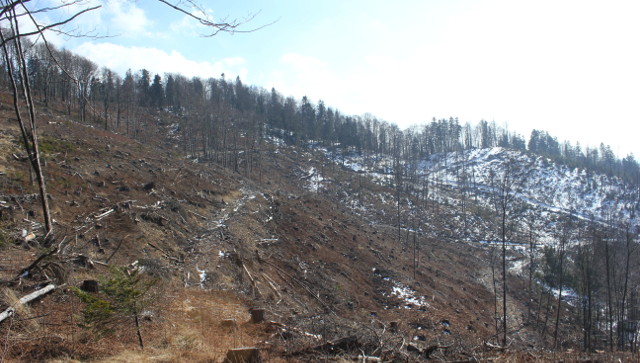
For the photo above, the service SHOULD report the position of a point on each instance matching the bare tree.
(565, 236)
(18, 15)
(505, 183)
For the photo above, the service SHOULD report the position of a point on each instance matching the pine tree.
(123, 297)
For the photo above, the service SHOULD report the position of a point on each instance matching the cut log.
(196, 214)
(243, 355)
(26, 299)
(367, 359)
(100, 216)
(31, 236)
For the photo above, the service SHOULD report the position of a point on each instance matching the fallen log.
(342, 345)
(272, 284)
(494, 347)
(165, 253)
(100, 216)
(52, 251)
(367, 359)
(291, 278)
(26, 299)
(196, 214)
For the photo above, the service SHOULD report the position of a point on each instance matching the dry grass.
(10, 168)
(27, 325)
(188, 329)
(185, 326)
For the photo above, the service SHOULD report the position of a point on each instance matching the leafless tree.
(564, 237)
(505, 184)
(17, 15)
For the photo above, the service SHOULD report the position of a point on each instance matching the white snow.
(314, 180)
(407, 294)
(203, 276)
(548, 189)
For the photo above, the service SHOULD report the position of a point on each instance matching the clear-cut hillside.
(541, 187)
(324, 241)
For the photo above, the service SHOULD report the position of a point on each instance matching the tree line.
(214, 111)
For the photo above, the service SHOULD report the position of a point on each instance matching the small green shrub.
(122, 298)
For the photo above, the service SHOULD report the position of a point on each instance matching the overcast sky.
(568, 67)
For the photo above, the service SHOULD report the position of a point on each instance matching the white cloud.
(120, 58)
(126, 19)
(121, 18)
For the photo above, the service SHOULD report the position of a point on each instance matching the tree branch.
(42, 28)
(222, 27)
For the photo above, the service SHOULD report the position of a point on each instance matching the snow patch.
(408, 295)
(203, 276)
(314, 180)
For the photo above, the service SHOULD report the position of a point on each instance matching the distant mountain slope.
(539, 186)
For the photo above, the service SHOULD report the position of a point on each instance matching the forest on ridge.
(213, 111)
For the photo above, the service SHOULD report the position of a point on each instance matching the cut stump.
(89, 286)
(243, 355)
(257, 315)
(228, 323)
(393, 326)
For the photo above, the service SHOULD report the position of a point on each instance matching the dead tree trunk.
(26, 299)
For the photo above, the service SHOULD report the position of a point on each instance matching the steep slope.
(546, 190)
(318, 269)
(314, 243)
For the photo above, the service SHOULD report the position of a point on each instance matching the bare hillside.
(281, 235)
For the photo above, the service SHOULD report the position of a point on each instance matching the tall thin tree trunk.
(495, 294)
(138, 332)
(621, 343)
(559, 308)
(30, 137)
(504, 276)
(610, 310)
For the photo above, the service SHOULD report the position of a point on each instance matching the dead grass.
(188, 329)
(9, 167)
(185, 326)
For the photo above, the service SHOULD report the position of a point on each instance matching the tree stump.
(89, 286)
(257, 315)
(228, 323)
(393, 326)
(243, 355)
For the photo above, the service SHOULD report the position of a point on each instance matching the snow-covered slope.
(541, 189)
(541, 182)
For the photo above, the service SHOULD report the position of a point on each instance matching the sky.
(569, 67)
